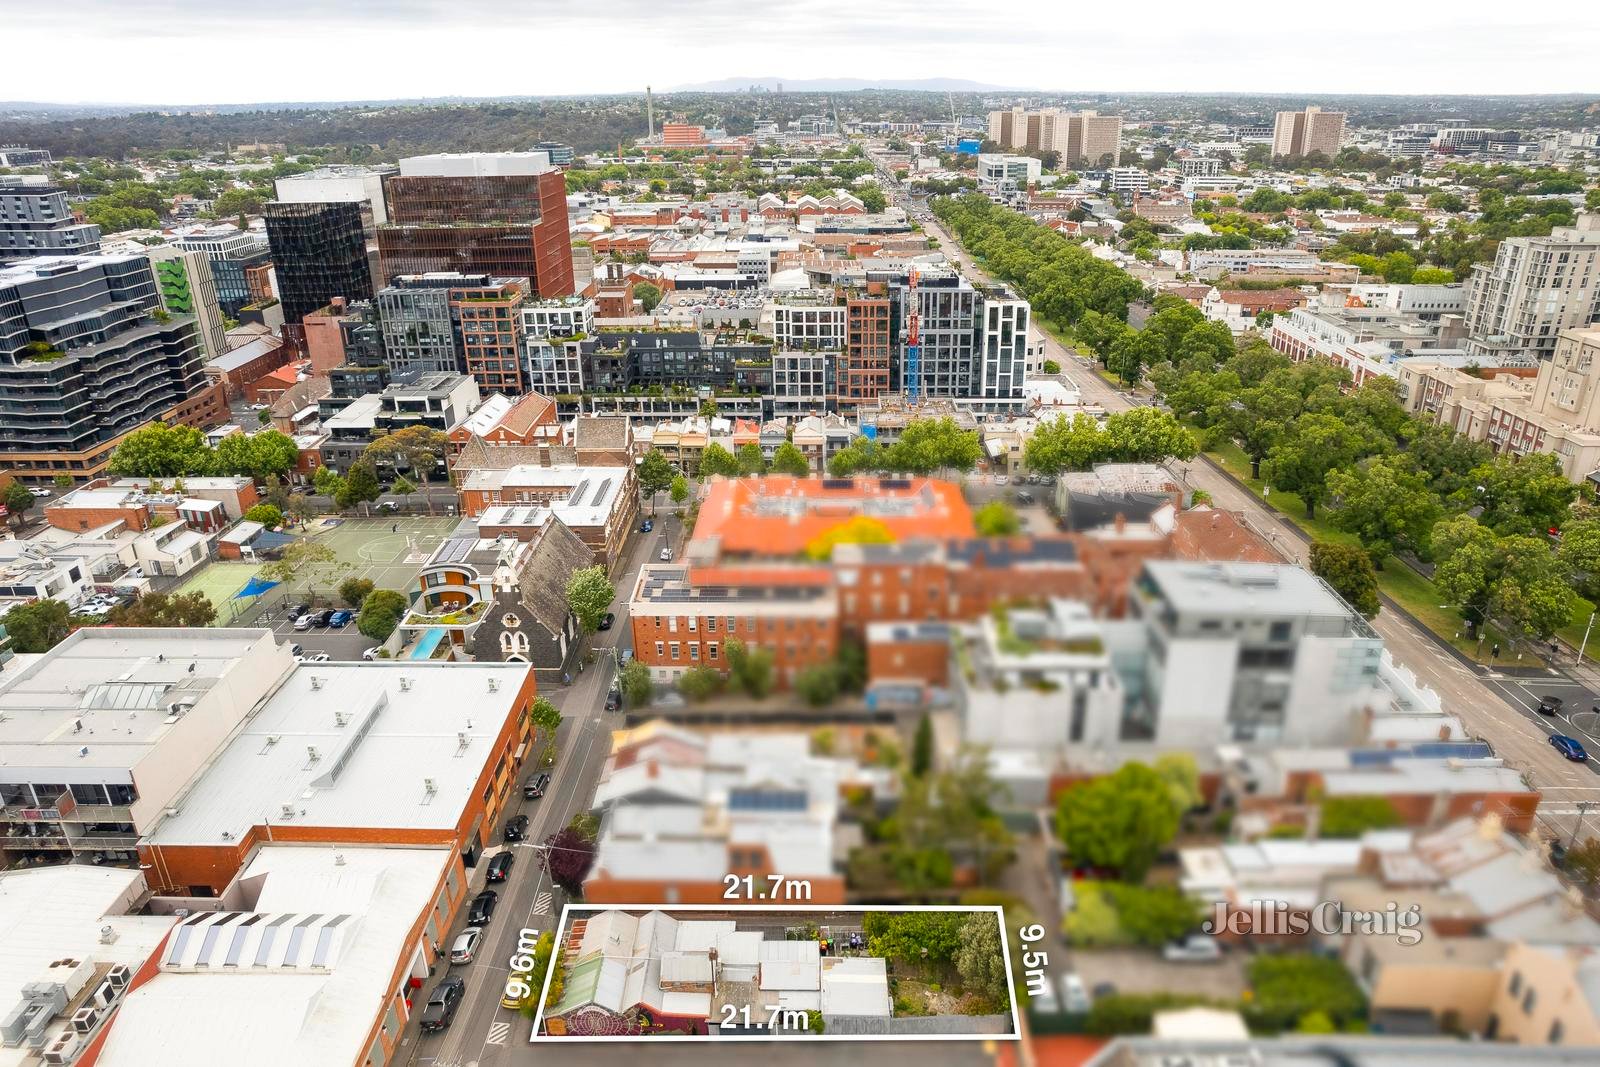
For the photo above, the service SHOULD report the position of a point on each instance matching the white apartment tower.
(1536, 287)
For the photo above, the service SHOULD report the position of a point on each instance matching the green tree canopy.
(162, 451)
(997, 519)
(39, 626)
(380, 613)
(589, 596)
(1120, 821)
(788, 459)
(717, 460)
(1350, 571)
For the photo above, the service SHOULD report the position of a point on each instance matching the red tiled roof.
(780, 515)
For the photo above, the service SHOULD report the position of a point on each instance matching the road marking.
(541, 904)
(498, 1032)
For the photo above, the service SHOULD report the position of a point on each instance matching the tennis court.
(387, 552)
(219, 581)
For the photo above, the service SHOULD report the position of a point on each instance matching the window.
(1528, 1000)
(1516, 983)
(694, 652)
(711, 651)
(675, 650)
(661, 648)
(1557, 1031)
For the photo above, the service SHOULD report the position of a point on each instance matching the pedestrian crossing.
(498, 1032)
(542, 903)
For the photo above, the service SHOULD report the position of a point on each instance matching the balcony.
(456, 618)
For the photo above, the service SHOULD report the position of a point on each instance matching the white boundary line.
(555, 952)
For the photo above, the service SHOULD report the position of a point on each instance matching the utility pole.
(1585, 643)
(1584, 807)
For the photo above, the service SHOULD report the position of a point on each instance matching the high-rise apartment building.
(974, 342)
(455, 323)
(1081, 137)
(236, 257)
(188, 287)
(87, 354)
(1300, 133)
(488, 323)
(868, 347)
(320, 252)
(35, 220)
(501, 214)
(1536, 287)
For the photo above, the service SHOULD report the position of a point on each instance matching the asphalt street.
(1492, 705)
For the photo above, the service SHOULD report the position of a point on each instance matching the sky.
(125, 51)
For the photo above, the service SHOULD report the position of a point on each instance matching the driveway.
(1133, 970)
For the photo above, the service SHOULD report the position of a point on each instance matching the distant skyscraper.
(501, 214)
(1300, 133)
(1081, 137)
(320, 252)
(35, 220)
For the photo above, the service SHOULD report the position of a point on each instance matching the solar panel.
(766, 800)
(838, 483)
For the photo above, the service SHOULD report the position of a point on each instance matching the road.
(483, 1033)
(1492, 705)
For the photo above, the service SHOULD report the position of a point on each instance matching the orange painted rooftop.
(780, 515)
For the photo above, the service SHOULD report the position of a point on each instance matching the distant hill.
(838, 85)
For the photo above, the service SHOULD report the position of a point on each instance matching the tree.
(305, 556)
(679, 490)
(419, 449)
(359, 486)
(708, 408)
(1062, 444)
(788, 459)
(326, 481)
(268, 515)
(1385, 502)
(1051, 367)
(818, 685)
(1580, 554)
(39, 626)
(162, 451)
(63, 481)
(543, 715)
(1519, 494)
(922, 748)
(872, 199)
(634, 681)
(907, 936)
(1302, 457)
(567, 857)
(751, 461)
(655, 475)
(403, 488)
(700, 683)
(1516, 579)
(980, 959)
(1147, 435)
(928, 445)
(716, 460)
(381, 612)
(1583, 862)
(750, 669)
(258, 456)
(354, 591)
(589, 596)
(1150, 915)
(1349, 570)
(997, 519)
(162, 609)
(1120, 821)
(1179, 771)
(301, 509)
(1288, 988)
(1094, 921)
(1354, 816)
(18, 499)
(649, 296)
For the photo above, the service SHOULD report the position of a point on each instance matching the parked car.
(516, 828)
(304, 622)
(499, 867)
(341, 618)
(534, 787)
(388, 507)
(297, 611)
(482, 909)
(627, 654)
(647, 525)
(1074, 997)
(1044, 1002)
(1195, 949)
(466, 945)
(296, 651)
(320, 618)
(40, 491)
(1549, 705)
(371, 653)
(315, 657)
(666, 555)
(442, 1005)
(1568, 747)
(608, 620)
(613, 699)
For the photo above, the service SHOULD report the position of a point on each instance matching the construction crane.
(913, 340)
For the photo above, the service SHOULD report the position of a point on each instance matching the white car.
(1195, 949)
(39, 491)
(1074, 995)
(666, 555)
(317, 657)
(371, 653)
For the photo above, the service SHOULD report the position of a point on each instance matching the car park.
(317, 657)
(516, 828)
(1569, 747)
(607, 621)
(297, 611)
(341, 618)
(1549, 705)
(534, 787)
(442, 1004)
(499, 868)
(482, 909)
(465, 946)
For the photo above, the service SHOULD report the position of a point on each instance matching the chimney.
(337, 304)
(544, 455)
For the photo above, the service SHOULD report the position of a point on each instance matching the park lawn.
(1396, 580)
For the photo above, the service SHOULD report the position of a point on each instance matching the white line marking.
(498, 1032)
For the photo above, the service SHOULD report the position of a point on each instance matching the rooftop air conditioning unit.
(84, 1019)
(405, 684)
(104, 994)
(286, 811)
(121, 974)
(64, 1049)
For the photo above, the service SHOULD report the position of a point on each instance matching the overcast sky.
(205, 51)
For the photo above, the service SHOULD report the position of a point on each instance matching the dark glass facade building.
(320, 252)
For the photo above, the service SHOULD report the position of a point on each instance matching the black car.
(516, 828)
(1550, 705)
(613, 700)
(297, 611)
(499, 867)
(322, 617)
(482, 909)
(535, 786)
(442, 1004)
(606, 623)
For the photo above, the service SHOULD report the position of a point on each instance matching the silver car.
(466, 945)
